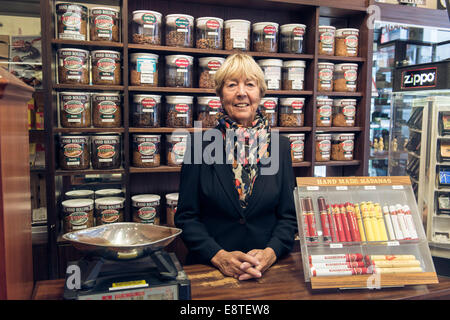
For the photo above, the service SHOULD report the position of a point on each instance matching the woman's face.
(240, 99)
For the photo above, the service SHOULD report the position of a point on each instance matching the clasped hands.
(244, 266)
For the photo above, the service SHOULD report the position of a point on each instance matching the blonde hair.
(236, 66)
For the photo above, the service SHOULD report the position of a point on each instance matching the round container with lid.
(79, 194)
(109, 210)
(104, 24)
(345, 77)
(342, 146)
(106, 109)
(265, 37)
(74, 152)
(176, 148)
(325, 77)
(272, 72)
(209, 33)
(208, 67)
(106, 67)
(324, 112)
(179, 30)
(146, 110)
(73, 66)
(171, 208)
(347, 42)
(326, 40)
(71, 21)
(237, 34)
(146, 150)
(323, 147)
(144, 69)
(146, 27)
(75, 109)
(269, 108)
(179, 112)
(291, 112)
(344, 112)
(146, 208)
(78, 214)
(293, 75)
(292, 38)
(106, 151)
(207, 109)
(112, 192)
(297, 146)
(179, 71)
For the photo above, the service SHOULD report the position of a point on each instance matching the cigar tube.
(410, 222)
(338, 220)
(387, 220)
(339, 272)
(353, 223)
(324, 219)
(311, 220)
(398, 232)
(375, 257)
(332, 224)
(330, 265)
(373, 222)
(380, 221)
(306, 227)
(395, 263)
(345, 223)
(360, 222)
(397, 270)
(327, 258)
(367, 223)
(401, 222)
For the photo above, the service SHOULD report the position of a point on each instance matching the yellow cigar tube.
(396, 263)
(367, 223)
(397, 270)
(360, 223)
(374, 257)
(373, 222)
(380, 222)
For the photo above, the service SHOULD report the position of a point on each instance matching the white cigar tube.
(410, 222)
(325, 258)
(338, 265)
(397, 270)
(401, 221)
(398, 232)
(396, 263)
(387, 220)
(374, 257)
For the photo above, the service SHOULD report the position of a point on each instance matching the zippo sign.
(419, 78)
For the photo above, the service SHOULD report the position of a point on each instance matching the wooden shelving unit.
(165, 179)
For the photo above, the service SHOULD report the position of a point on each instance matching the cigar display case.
(361, 232)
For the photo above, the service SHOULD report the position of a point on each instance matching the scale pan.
(122, 241)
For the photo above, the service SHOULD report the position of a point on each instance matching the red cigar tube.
(342, 257)
(353, 223)
(324, 219)
(334, 233)
(311, 220)
(340, 272)
(331, 264)
(306, 228)
(338, 221)
(345, 223)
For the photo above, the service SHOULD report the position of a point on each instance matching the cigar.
(367, 223)
(398, 232)
(324, 219)
(390, 257)
(388, 221)
(326, 258)
(306, 228)
(310, 220)
(401, 221)
(345, 223)
(353, 223)
(380, 222)
(340, 272)
(338, 221)
(409, 222)
(397, 270)
(331, 265)
(334, 233)
(395, 263)
(360, 222)
(373, 222)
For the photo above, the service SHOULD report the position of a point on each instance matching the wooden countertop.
(283, 281)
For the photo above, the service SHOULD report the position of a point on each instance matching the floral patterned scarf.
(250, 145)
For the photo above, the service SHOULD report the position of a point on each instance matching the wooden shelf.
(170, 130)
(60, 172)
(87, 87)
(301, 164)
(89, 44)
(342, 59)
(340, 94)
(155, 169)
(89, 130)
(339, 129)
(197, 51)
(338, 163)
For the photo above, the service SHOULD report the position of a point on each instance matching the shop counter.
(283, 281)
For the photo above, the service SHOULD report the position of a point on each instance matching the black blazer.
(211, 217)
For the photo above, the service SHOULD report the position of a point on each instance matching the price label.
(370, 188)
(393, 243)
(312, 188)
(335, 245)
(342, 188)
(397, 187)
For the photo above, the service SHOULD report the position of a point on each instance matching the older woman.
(232, 215)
